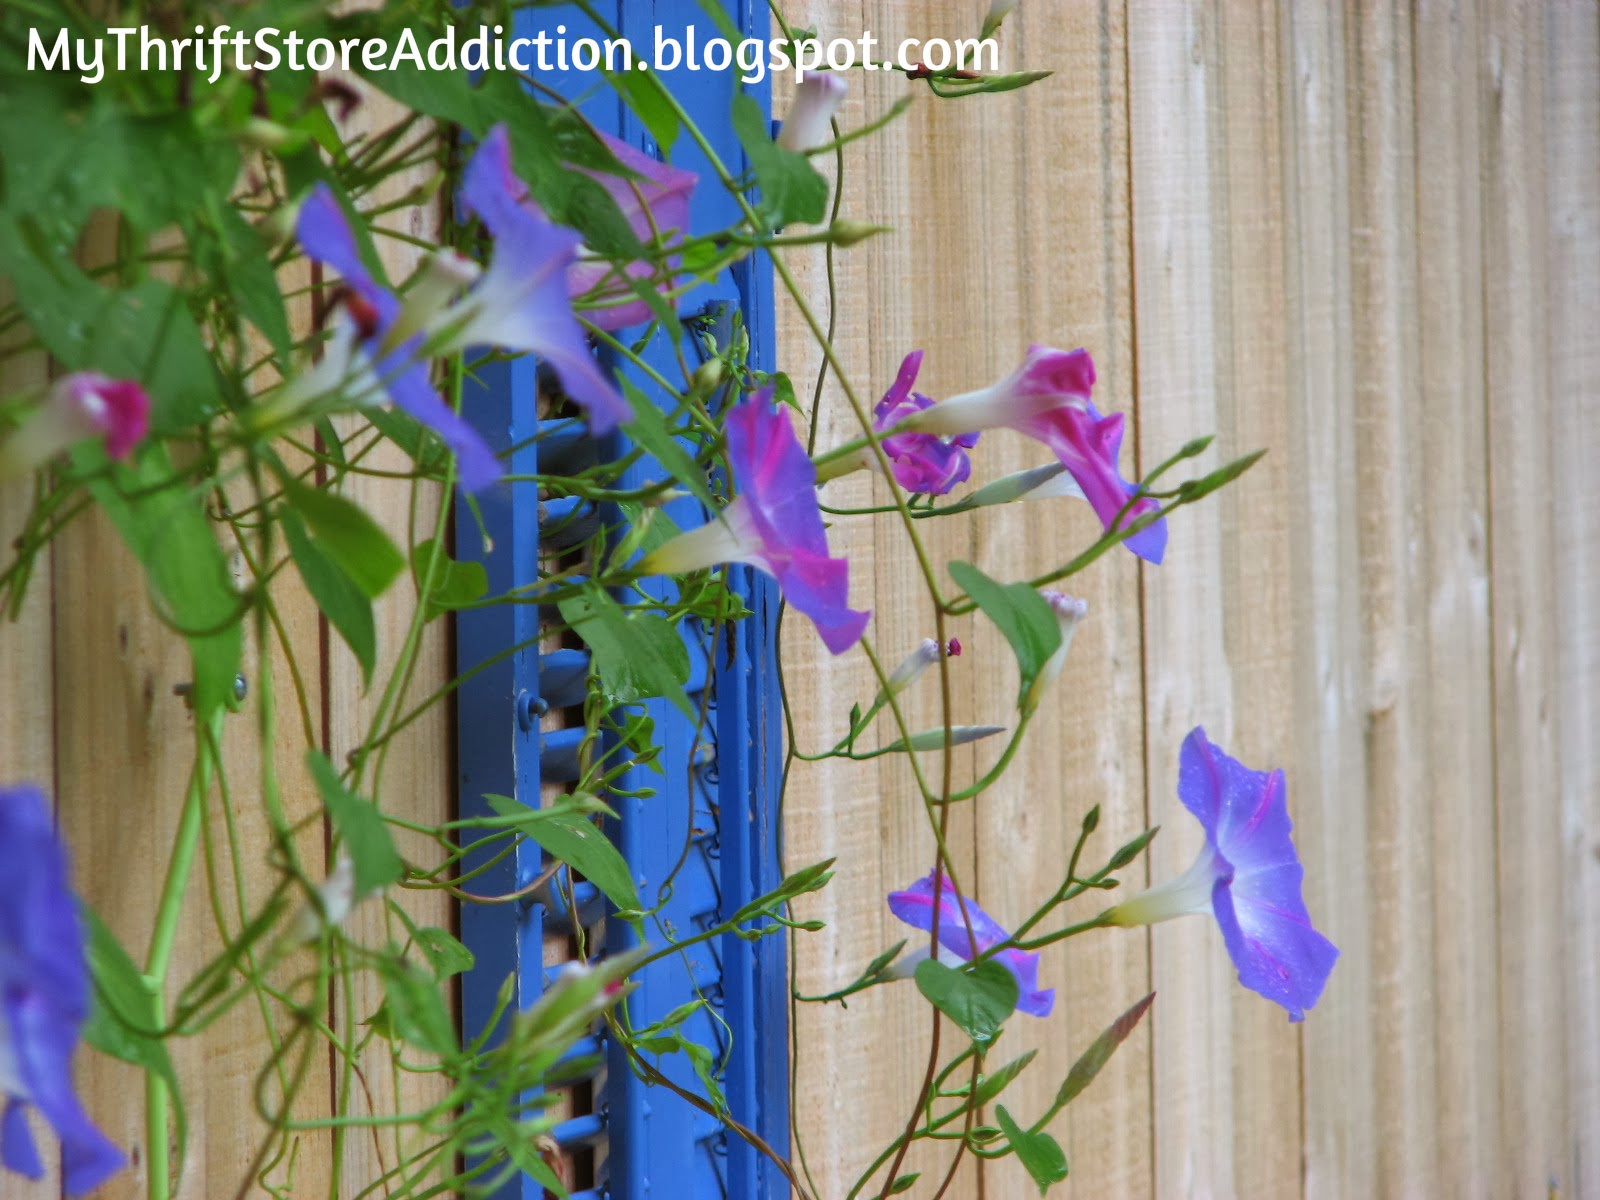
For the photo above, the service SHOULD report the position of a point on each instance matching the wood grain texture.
(1571, 48)
(1527, 656)
(1453, 560)
(414, 777)
(1390, 437)
(27, 680)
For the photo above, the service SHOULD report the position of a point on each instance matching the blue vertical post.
(705, 839)
(497, 743)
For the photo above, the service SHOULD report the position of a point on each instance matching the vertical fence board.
(27, 696)
(1331, 810)
(412, 777)
(1390, 438)
(1171, 78)
(1571, 47)
(1454, 564)
(1527, 659)
(1207, 207)
(1056, 269)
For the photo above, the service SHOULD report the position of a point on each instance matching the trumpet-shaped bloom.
(80, 406)
(809, 122)
(521, 302)
(1048, 398)
(44, 999)
(375, 352)
(1247, 875)
(915, 906)
(921, 462)
(656, 206)
(773, 524)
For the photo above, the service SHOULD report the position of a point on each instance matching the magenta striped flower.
(82, 405)
(921, 462)
(1048, 398)
(773, 523)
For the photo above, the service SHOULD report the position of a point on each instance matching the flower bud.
(998, 12)
(1069, 611)
(848, 233)
(80, 406)
(809, 122)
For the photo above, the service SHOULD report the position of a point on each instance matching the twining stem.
(169, 914)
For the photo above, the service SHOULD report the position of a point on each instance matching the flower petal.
(1277, 953)
(17, 1150)
(410, 390)
(521, 302)
(914, 906)
(1087, 445)
(777, 481)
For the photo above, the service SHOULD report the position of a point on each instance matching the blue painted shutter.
(711, 823)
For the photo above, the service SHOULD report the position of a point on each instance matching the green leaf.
(990, 1086)
(791, 189)
(445, 954)
(976, 997)
(344, 604)
(143, 331)
(903, 1184)
(349, 536)
(416, 1011)
(455, 584)
(1020, 613)
(649, 430)
(643, 92)
(122, 1017)
(1040, 1153)
(636, 655)
(163, 523)
(1100, 1052)
(577, 841)
(361, 826)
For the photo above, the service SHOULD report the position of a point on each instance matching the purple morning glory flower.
(921, 462)
(376, 349)
(44, 999)
(914, 906)
(1247, 875)
(656, 205)
(1048, 398)
(521, 302)
(773, 523)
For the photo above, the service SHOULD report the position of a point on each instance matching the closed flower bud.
(809, 123)
(81, 406)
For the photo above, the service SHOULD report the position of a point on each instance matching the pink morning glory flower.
(773, 524)
(921, 462)
(915, 906)
(44, 999)
(1247, 875)
(809, 122)
(80, 406)
(376, 349)
(1048, 398)
(656, 205)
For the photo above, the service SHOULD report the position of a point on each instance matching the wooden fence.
(1367, 237)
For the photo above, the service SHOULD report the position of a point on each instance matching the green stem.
(168, 915)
